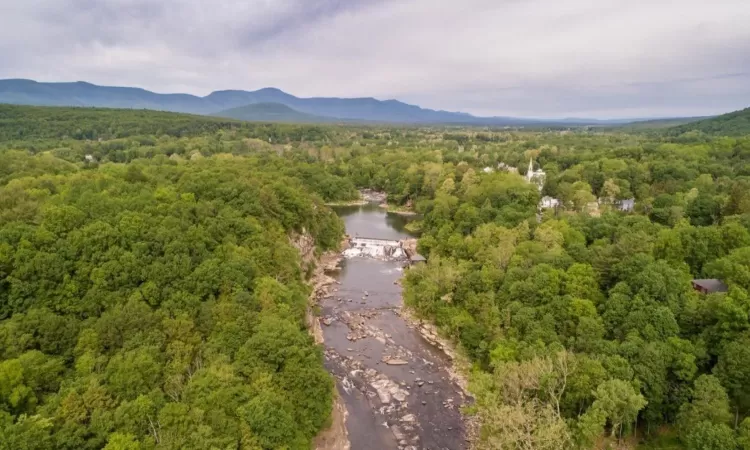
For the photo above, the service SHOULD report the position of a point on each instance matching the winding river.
(394, 383)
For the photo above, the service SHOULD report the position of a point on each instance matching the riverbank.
(335, 437)
(366, 196)
(400, 210)
(359, 202)
(370, 196)
(459, 368)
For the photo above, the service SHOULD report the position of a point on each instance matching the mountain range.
(275, 105)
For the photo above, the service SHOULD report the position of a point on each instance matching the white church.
(537, 177)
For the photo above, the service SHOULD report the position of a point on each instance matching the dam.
(389, 249)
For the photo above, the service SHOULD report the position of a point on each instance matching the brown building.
(709, 286)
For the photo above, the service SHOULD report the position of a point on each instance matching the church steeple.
(530, 172)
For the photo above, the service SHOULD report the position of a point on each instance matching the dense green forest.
(150, 296)
(160, 303)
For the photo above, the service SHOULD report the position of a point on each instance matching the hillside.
(38, 122)
(659, 123)
(732, 124)
(26, 123)
(271, 112)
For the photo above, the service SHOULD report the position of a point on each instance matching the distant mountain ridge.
(80, 93)
(324, 109)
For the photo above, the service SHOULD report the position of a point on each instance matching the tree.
(513, 417)
(704, 210)
(743, 437)
(733, 369)
(710, 403)
(709, 436)
(619, 402)
(15, 396)
(611, 190)
(135, 372)
(581, 282)
(119, 441)
(268, 417)
(26, 433)
(582, 195)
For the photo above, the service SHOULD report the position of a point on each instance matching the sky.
(523, 58)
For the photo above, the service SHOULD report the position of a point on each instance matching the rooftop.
(711, 285)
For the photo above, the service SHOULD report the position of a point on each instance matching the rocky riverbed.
(397, 386)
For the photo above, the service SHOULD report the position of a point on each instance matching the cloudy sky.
(534, 58)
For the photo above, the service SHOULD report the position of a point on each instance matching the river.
(394, 383)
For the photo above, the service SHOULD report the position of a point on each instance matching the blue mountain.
(29, 92)
(318, 109)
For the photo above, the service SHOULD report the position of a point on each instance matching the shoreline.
(360, 202)
(335, 436)
(400, 212)
(370, 197)
(458, 369)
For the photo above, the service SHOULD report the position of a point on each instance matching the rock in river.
(396, 362)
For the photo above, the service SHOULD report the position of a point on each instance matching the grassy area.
(664, 440)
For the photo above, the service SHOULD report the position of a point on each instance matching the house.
(627, 205)
(548, 202)
(709, 286)
(488, 170)
(416, 258)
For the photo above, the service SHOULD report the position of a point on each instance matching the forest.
(151, 295)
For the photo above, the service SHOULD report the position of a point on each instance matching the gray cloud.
(542, 58)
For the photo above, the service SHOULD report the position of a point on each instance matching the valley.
(172, 281)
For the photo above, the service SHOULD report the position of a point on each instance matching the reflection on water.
(372, 221)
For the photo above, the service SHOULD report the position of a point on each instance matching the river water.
(394, 383)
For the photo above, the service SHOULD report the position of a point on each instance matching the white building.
(536, 176)
(627, 205)
(548, 202)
